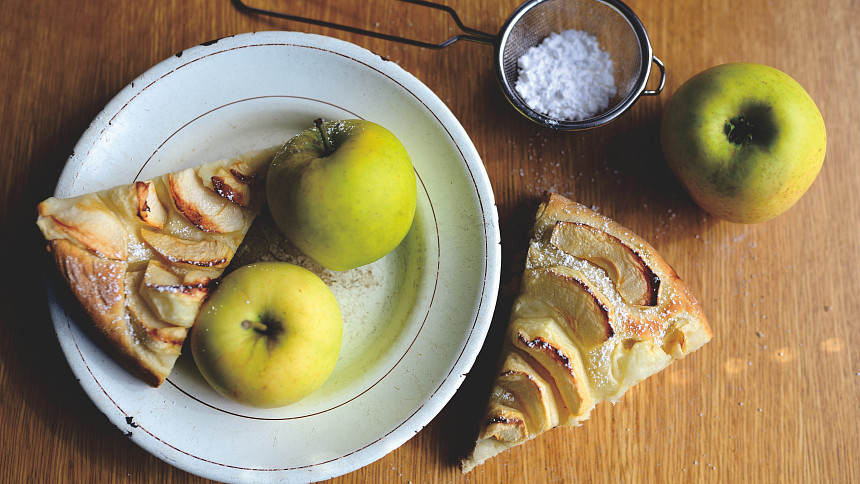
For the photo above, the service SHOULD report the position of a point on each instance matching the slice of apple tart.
(599, 310)
(140, 258)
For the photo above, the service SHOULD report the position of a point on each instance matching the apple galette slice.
(599, 310)
(140, 258)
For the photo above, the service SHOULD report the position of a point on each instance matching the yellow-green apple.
(745, 140)
(269, 335)
(343, 192)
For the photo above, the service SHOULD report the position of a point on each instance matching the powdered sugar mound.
(567, 77)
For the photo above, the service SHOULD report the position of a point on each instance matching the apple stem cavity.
(326, 141)
(739, 130)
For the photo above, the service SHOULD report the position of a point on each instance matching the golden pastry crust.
(599, 310)
(100, 282)
(140, 258)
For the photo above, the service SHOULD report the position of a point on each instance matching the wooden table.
(772, 398)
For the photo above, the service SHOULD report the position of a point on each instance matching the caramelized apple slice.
(232, 179)
(173, 298)
(151, 331)
(201, 206)
(503, 422)
(636, 283)
(136, 202)
(87, 221)
(200, 253)
(232, 186)
(533, 394)
(503, 428)
(544, 340)
(149, 207)
(584, 308)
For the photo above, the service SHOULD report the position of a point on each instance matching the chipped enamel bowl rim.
(427, 306)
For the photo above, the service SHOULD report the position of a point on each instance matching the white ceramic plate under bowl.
(414, 321)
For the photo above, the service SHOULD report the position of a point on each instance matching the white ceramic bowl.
(414, 321)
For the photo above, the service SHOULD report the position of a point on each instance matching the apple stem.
(326, 142)
(255, 325)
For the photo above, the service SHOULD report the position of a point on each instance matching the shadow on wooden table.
(32, 359)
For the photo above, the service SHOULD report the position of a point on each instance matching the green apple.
(745, 140)
(343, 192)
(269, 335)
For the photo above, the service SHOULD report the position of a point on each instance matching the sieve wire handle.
(467, 33)
(662, 68)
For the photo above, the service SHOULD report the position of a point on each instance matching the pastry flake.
(598, 311)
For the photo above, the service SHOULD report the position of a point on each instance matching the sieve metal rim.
(648, 58)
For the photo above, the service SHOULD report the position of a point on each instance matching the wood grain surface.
(772, 398)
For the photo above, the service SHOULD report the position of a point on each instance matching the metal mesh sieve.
(616, 28)
(611, 22)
